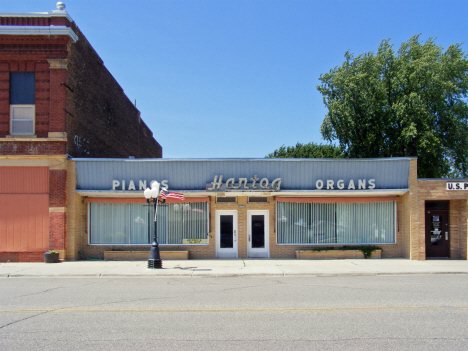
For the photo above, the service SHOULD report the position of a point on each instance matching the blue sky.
(219, 78)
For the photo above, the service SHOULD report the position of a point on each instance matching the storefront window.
(132, 224)
(336, 223)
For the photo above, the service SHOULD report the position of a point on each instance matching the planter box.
(334, 254)
(51, 257)
(143, 255)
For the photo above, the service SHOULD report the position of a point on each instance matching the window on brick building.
(22, 103)
(132, 224)
(336, 223)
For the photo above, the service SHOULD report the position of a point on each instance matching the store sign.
(457, 186)
(360, 184)
(133, 185)
(242, 184)
(264, 184)
(194, 241)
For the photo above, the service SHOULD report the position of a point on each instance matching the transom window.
(261, 199)
(227, 199)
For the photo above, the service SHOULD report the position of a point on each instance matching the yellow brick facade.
(410, 224)
(435, 190)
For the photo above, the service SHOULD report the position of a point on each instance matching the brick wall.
(77, 219)
(58, 188)
(29, 54)
(78, 96)
(57, 231)
(102, 121)
(15, 147)
(209, 251)
(74, 94)
(408, 218)
(435, 190)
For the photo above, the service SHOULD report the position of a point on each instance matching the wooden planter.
(51, 257)
(143, 255)
(334, 254)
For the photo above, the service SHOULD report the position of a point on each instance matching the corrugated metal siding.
(24, 180)
(296, 174)
(24, 222)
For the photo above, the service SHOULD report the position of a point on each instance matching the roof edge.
(37, 14)
(39, 30)
(78, 159)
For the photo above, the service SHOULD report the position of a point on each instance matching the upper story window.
(22, 103)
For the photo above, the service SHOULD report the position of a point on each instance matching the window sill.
(21, 136)
(18, 137)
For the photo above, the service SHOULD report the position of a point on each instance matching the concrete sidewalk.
(234, 267)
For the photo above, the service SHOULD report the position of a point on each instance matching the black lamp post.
(152, 197)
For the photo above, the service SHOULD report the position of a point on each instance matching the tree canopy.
(406, 103)
(310, 150)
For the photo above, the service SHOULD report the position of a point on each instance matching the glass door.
(437, 234)
(226, 234)
(257, 234)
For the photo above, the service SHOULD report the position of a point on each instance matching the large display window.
(336, 223)
(133, 223)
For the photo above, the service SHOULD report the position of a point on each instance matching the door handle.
(446, 235)
(249, 238)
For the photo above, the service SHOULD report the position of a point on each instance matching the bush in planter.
(51, 256)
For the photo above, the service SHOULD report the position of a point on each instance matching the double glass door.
(257, 236)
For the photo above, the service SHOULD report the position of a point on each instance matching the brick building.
(57, 100)
(278, 208)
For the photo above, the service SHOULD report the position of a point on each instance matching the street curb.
(223, 275)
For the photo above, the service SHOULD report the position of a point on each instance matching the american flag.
(165, 194)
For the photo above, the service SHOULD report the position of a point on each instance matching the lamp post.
(152, 197)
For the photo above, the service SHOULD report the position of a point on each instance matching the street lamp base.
(154, 264)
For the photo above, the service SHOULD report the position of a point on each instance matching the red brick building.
(57, 99)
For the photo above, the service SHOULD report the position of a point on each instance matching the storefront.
(238, 208)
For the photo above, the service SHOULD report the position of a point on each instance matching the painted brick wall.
(57, 230)
(22, 256)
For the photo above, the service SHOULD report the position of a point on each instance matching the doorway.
(258, 234)
(226, 234)
(437, 229)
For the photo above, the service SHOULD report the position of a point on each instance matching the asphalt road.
(412, 312)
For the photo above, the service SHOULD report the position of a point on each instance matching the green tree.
(310, 150)
(406, 103)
